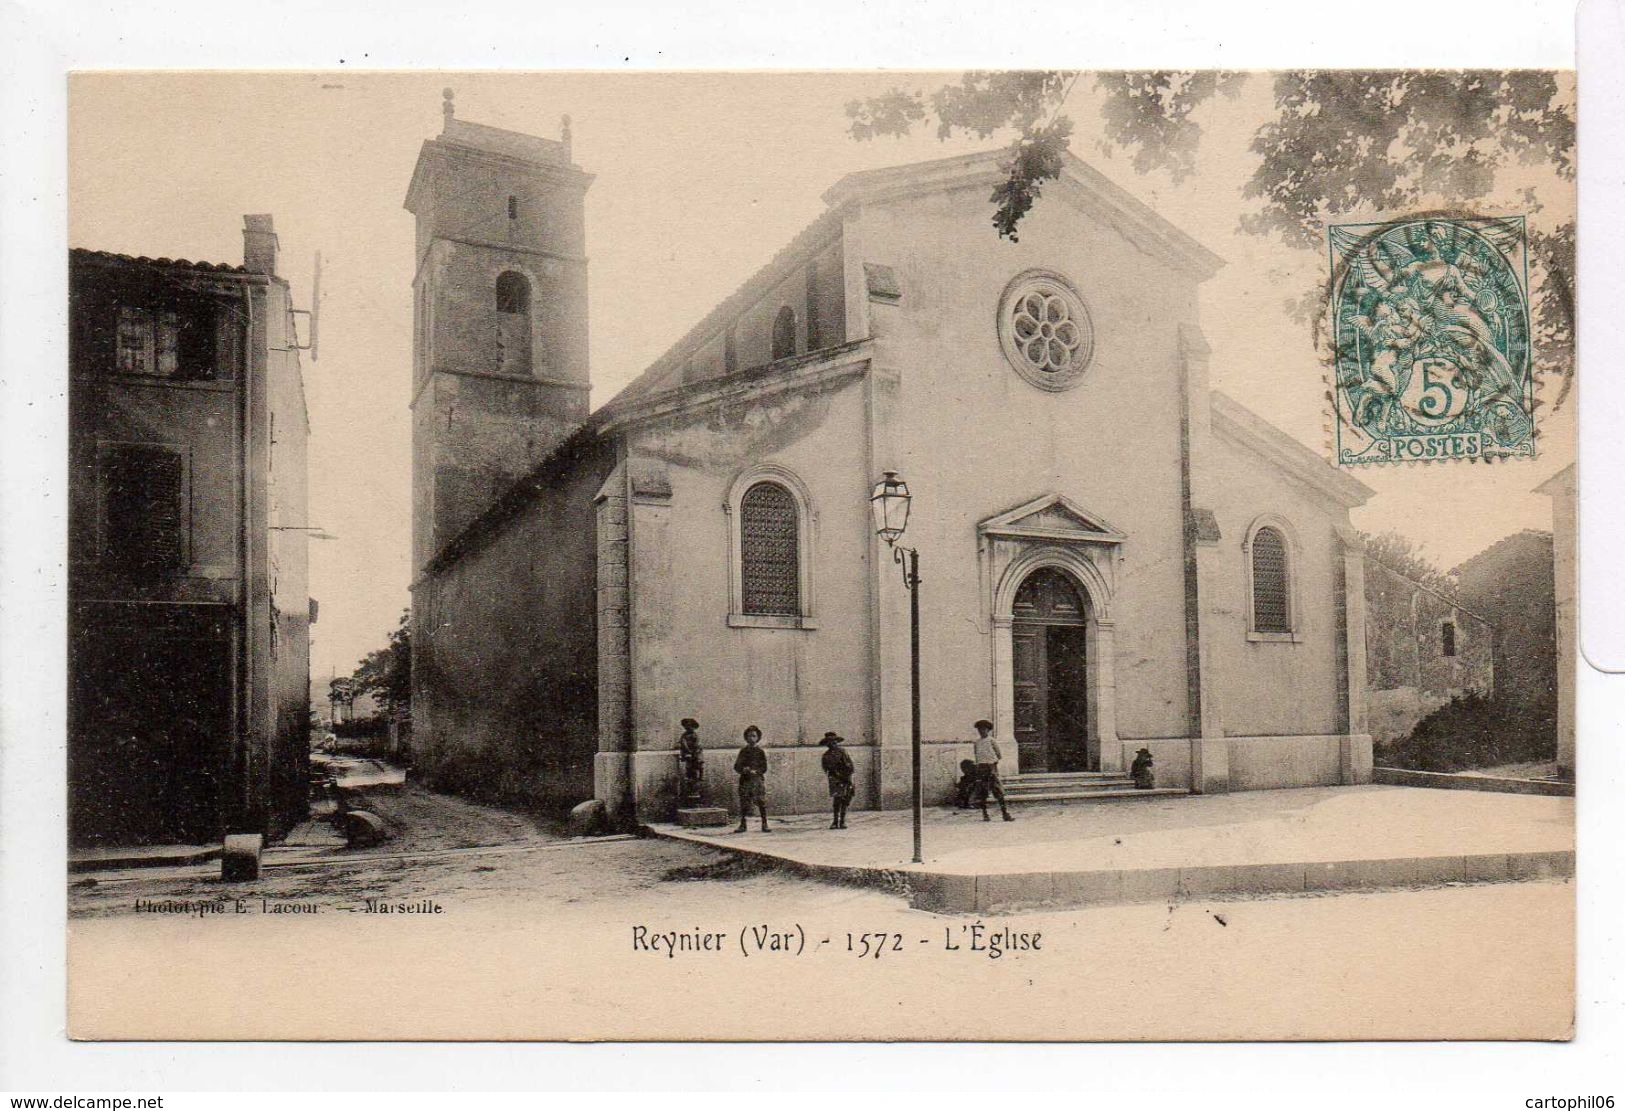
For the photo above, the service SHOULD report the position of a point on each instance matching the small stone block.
(1486, 868)
(1206, 879)
(1150, 885)
(363, 829)
(1431, 870)
(240, 857)
(1540, 866)
(1087, 888)
(1335, 875)
(694, 817)
(944, 893)
(1268, 879)
(998, 892)
(588, 818)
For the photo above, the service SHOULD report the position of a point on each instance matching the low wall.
(1392, 714)
(1404, 777)
(1271, 763)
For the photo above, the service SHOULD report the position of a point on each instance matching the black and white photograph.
(669, 553)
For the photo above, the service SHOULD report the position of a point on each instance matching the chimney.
(259, 244)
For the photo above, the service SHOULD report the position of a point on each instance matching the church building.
(1113, 556)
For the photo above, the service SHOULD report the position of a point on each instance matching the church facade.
(1113, 556)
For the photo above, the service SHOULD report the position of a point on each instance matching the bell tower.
(499, 341)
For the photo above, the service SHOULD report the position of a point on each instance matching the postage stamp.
(1430, 321)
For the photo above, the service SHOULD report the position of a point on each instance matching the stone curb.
(1450, 781)
(956, 893)
(114, 862)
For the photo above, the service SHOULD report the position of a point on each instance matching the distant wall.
(1408, 674)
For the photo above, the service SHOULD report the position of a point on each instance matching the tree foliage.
(1338, 142)
(1148, 112)
(1401, 554)
(386, 673)
(984, 103)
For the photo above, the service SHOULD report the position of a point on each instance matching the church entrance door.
(1049, 631)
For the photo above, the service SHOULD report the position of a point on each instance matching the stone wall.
(505, 645)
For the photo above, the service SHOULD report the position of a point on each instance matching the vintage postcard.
(1043, 555)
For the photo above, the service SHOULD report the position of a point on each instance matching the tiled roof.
(86, 255)
(1523, 538)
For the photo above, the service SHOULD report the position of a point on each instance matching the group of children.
(979, 778)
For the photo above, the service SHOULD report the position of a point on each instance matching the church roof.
(1080, 183)
(1079, 180)
(1240, 423)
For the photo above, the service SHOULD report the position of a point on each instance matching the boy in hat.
(691, 759)
(838, 767)
(751, 766)
(987, 770)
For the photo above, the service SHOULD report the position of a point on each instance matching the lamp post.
(889, 502)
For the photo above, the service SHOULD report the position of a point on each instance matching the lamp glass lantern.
(889, 502)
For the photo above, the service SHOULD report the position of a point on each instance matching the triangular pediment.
(1052, 517)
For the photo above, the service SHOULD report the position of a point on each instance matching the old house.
(1423, 648)
(189, 604)
(1114, 556)
(1512, 583)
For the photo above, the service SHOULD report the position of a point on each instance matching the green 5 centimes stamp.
(1430, 325)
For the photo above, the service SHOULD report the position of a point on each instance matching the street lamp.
(889, 502)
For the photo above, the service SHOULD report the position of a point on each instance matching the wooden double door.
(1050, 630)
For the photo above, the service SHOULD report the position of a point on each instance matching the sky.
(700, 179)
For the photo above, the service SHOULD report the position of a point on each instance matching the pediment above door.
(1053, 517)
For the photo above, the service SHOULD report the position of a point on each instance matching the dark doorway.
(149, 726)
(1051, 672)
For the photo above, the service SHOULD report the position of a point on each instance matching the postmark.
(1431, 333)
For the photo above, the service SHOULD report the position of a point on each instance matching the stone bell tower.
(499, 341)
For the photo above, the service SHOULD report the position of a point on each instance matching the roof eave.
(1240, 424)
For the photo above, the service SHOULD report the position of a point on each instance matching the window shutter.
(145, 514)
(95, 326)
(1271, 607)
(197, 341)
(770, 569)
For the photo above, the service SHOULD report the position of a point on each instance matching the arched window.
(513, 293)
(1272, 582)
(513, 323)
(1447, 638)
(770, 549)
(769, 562)
(784, 333)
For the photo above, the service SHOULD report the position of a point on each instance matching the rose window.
(1046, 331)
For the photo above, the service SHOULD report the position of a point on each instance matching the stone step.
(1087, 794)
(1059, 781)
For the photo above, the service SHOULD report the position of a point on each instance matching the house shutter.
(1271, 608)
(143, 488)
(770, 572)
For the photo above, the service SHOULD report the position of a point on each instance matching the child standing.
(751, 766)
(838, 767)
(988, 755)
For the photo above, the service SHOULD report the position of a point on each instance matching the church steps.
(1061, 786)
(1086, 794)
